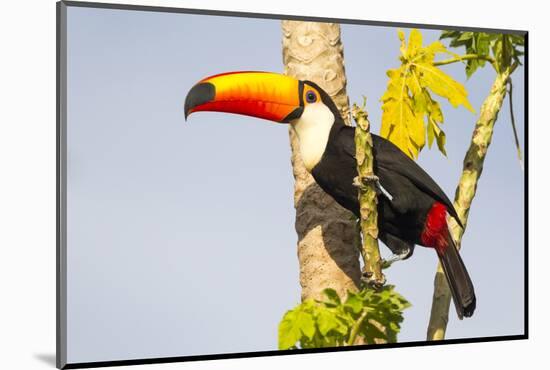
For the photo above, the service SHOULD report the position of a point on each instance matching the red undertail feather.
(436, 235)
(435, 230)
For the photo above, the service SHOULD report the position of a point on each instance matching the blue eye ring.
(311, 97)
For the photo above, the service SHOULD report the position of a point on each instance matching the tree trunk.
(327, 235)
(465, 192)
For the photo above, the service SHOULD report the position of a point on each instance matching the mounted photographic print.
(234, 184)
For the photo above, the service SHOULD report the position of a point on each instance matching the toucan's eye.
(311, 97)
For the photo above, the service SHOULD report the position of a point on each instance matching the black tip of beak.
(199, 94)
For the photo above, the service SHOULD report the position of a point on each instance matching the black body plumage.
(402, 219)
(413, 191)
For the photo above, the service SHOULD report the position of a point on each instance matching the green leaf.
(314, 324)
(505, 49)
(289, 332)
(393, 326)
(455, 43)
(306, 324)
(518, 40)
(482, 44)
(297, 324)
(354, 302)
(465, 36)
(327, 321)
(471, 67)
(332, 295)
(449, 34)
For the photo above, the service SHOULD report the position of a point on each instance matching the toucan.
(412, 208)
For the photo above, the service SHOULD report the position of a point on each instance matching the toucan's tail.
(459, 281)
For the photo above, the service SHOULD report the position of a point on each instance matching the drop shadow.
(47, 358)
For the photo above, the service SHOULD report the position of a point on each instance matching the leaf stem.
(356, 326)
(518, 147)
(465, 57)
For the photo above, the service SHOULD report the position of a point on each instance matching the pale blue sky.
(174, 248)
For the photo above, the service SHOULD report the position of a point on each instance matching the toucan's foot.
(374, 180)
(371, 179)
(368, 279)
(366, 180)
(396, 257)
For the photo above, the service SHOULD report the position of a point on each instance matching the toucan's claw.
(368, 279)
(369, 179)
(366, 181)
(372, 179)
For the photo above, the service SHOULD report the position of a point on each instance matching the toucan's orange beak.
(271, 96)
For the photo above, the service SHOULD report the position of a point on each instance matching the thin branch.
(366, 182)
(463, 58)
(355, 327)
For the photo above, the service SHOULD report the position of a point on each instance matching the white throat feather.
(313, 129)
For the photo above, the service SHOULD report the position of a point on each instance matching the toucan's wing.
(397, 246)
(391, 158)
